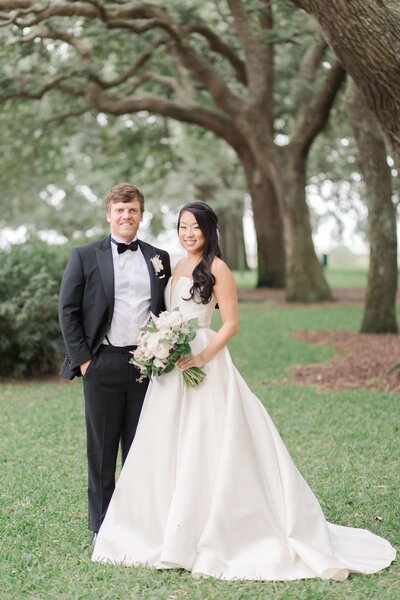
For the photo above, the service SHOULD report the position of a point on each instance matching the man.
(107, 292)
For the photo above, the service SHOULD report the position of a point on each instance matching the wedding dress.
(210, 487)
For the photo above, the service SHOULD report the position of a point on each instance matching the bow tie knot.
(121, 247)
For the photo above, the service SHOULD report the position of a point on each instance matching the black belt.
(117, 349)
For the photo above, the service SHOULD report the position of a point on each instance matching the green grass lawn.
(345, 444)
(336, 277)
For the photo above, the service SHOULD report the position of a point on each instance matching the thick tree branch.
(318, 113)
(40, 12)
(224, 98)
(124, 15)
(56, 82)
(309, 67)
(194, 113)
(13, 19)
(267, 25)
(365, 35)
(220, 47)
(141, 60)
(45, 31)
(167, 82)
(101, 9)
(112, 15)
(312, 60)
(255, 64)
(139, 27)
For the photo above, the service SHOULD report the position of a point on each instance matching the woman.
(208, 485)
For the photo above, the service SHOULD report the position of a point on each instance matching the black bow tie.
(121, 247)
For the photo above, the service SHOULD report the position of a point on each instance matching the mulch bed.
(361, 361)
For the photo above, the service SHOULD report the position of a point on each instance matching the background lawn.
(337, 277)
(345, 444)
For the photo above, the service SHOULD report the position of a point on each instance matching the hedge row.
(30, 338)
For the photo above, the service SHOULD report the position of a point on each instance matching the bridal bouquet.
(162, 342)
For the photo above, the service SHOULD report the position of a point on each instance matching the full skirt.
(210, 487)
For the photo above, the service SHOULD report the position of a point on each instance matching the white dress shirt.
(132, 296)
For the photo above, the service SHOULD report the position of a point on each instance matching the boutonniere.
(157, 264)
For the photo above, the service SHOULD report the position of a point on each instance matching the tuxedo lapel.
(106, 267)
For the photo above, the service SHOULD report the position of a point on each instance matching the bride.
(208, 484)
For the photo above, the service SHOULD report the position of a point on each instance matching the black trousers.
(113, 401)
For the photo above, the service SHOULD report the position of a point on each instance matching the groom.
(107, 292)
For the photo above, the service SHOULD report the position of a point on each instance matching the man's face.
(124, 219)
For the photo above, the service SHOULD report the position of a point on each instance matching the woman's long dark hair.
(203, 279)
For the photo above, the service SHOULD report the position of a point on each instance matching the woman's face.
(190, 235)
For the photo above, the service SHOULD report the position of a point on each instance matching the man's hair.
(124, 192)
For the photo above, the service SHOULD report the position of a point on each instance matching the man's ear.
(108, 216)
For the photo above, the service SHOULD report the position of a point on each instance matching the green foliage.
(30, 339)
(91, 151)
(155, 154)
(345, 444)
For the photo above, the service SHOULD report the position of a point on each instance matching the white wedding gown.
(209, 486)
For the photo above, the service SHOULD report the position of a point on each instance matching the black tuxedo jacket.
(86, 303)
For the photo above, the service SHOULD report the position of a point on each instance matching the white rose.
(147, 344)
(162, 350)
(147, 353)
(167, 333)
(156, 344)
(162, 320)
(152, 340)
(174, 319)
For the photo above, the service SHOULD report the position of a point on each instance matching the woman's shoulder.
(179, 267)
(220, 270)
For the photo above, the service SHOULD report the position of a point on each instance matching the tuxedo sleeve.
(70, 311)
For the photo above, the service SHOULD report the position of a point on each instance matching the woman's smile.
(190, 234)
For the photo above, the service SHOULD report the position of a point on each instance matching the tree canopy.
(257, 75)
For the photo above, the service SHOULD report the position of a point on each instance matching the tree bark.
(230, 225)
(305, 281)
(365, 35)
(380, 302)
(271, 253)
(268, 224)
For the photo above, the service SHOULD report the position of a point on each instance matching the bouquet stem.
(193, 376)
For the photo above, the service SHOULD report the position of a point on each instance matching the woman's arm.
(225, 293)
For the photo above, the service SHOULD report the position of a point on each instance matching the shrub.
(30, 338)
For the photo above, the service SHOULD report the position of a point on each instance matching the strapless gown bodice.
(210, 487)
(176, 295)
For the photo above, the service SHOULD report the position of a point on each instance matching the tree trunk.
(380, 302)
(271, 253)
(268, 224)
(305, 281)
(230, 225)
(365, 36)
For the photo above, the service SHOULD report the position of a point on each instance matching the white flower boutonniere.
(157, 264)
